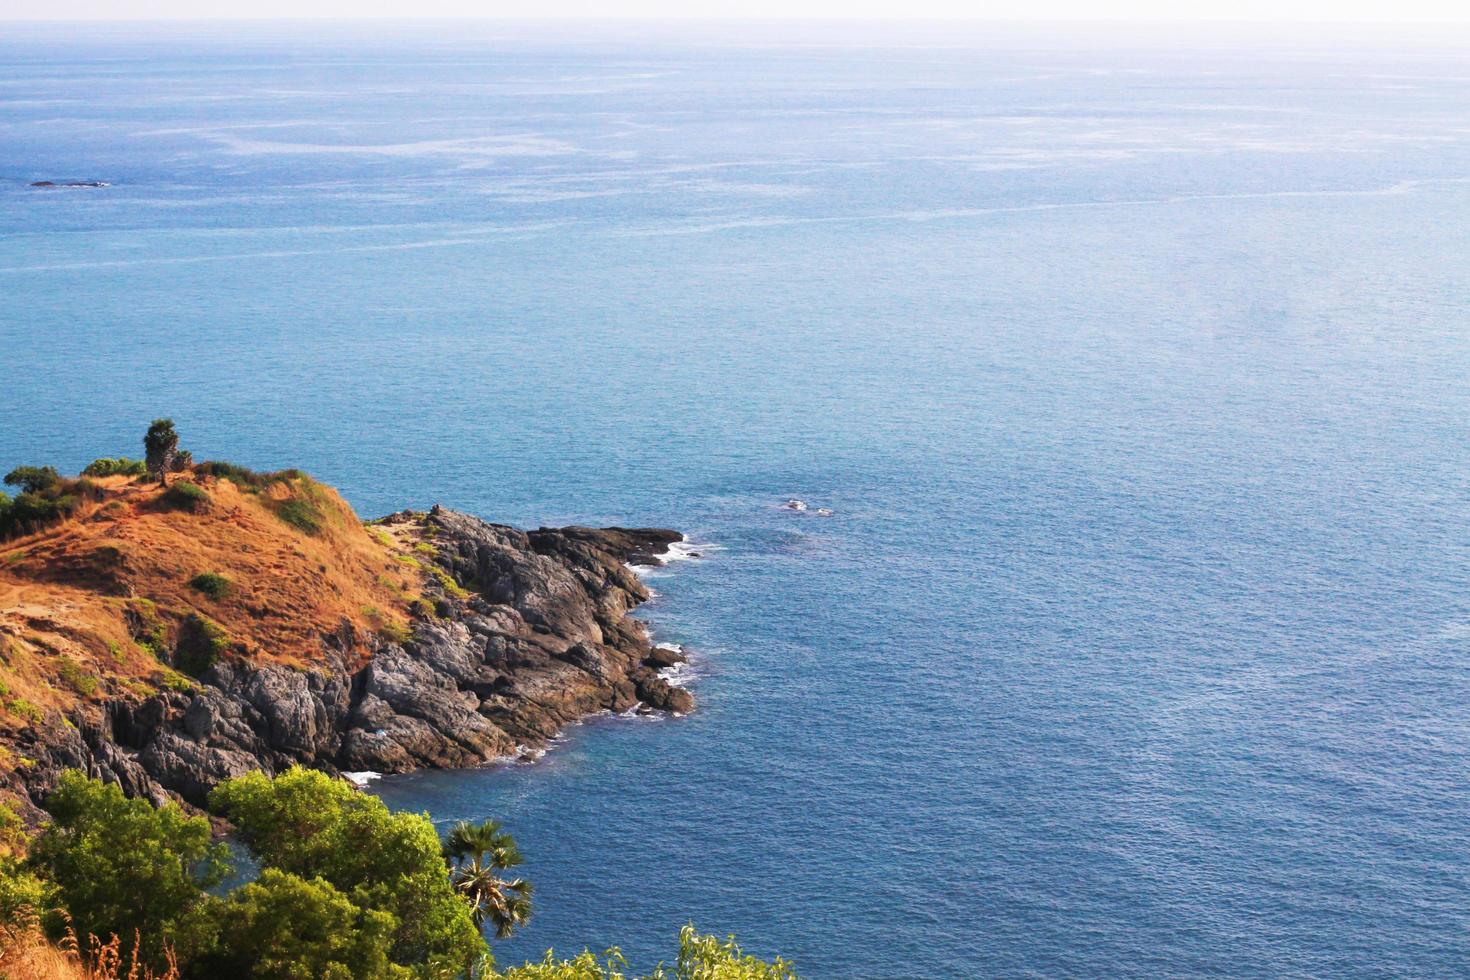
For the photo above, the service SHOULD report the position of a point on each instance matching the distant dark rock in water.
(530, 634)
(70, 183)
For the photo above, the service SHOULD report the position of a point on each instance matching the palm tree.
(476, 854)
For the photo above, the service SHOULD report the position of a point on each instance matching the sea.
(1132, 365)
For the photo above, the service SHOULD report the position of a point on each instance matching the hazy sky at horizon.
(1387, 11)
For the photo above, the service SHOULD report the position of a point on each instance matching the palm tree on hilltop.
(476, 855)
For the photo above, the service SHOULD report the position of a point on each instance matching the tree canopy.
(160, 445)
(122, 864)
(347, 889)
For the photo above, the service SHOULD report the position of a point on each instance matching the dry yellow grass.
(72, 596)
(25, 954)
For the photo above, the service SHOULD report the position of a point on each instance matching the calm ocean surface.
(1137, 376)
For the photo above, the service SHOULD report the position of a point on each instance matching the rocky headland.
(424, 639)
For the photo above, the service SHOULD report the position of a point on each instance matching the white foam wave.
(681, 550)
(361, 778)
(679, 675)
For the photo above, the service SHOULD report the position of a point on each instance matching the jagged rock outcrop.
(530, 632)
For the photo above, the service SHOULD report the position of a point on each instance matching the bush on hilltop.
(121, 466)
(45, 497)
(212, 584)
(186, 496)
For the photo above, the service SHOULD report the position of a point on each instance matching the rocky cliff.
(508, 636)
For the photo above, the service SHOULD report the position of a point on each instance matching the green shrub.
(422, 608)
(423, 547)
(212, 584)
(75, 677)
(172, 680)
(32, 511)
(22, 708)
(284, 926)
(121, 466)
(309, 825)
(700, 958)
(202, 641)
(24, 897)
(243, 476)
(395, 633)
(33, 479)
(121, 865)
(448, 584)
(301, 515)
(183, 495)
(145, 627)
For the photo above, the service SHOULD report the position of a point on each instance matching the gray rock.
(543, 640)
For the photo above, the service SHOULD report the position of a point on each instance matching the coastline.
(530, 633)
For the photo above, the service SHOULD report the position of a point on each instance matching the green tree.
(121, 865)
(33, 479)
(476, 855)
(310, 825)
(282, 927)
(161, 445)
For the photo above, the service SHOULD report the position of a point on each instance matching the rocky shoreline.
(530, 632)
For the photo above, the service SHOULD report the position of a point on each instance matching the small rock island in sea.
(170, 638)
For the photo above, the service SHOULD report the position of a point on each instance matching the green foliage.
(283, 926)
(146, 628)
(312, 826)
(712, 958)
(448, 584)
(187, 496)
(476, 855)
(301, 514)
(33, 479)
(422, 608)
(202, 642)
(22, 708)
(160, 445)
(12, 831)
(347, 889)
(121, 865)
(121, 466)
(244, 476)
(423, 547)
(395, 633)
(75, 677)
(212, 584)
(24, 896)
(584, 966)
(172, 680)
(700, 958)
(45, 498)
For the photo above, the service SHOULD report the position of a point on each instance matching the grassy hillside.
(136, 587)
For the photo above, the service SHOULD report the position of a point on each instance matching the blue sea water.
(1134, 369)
